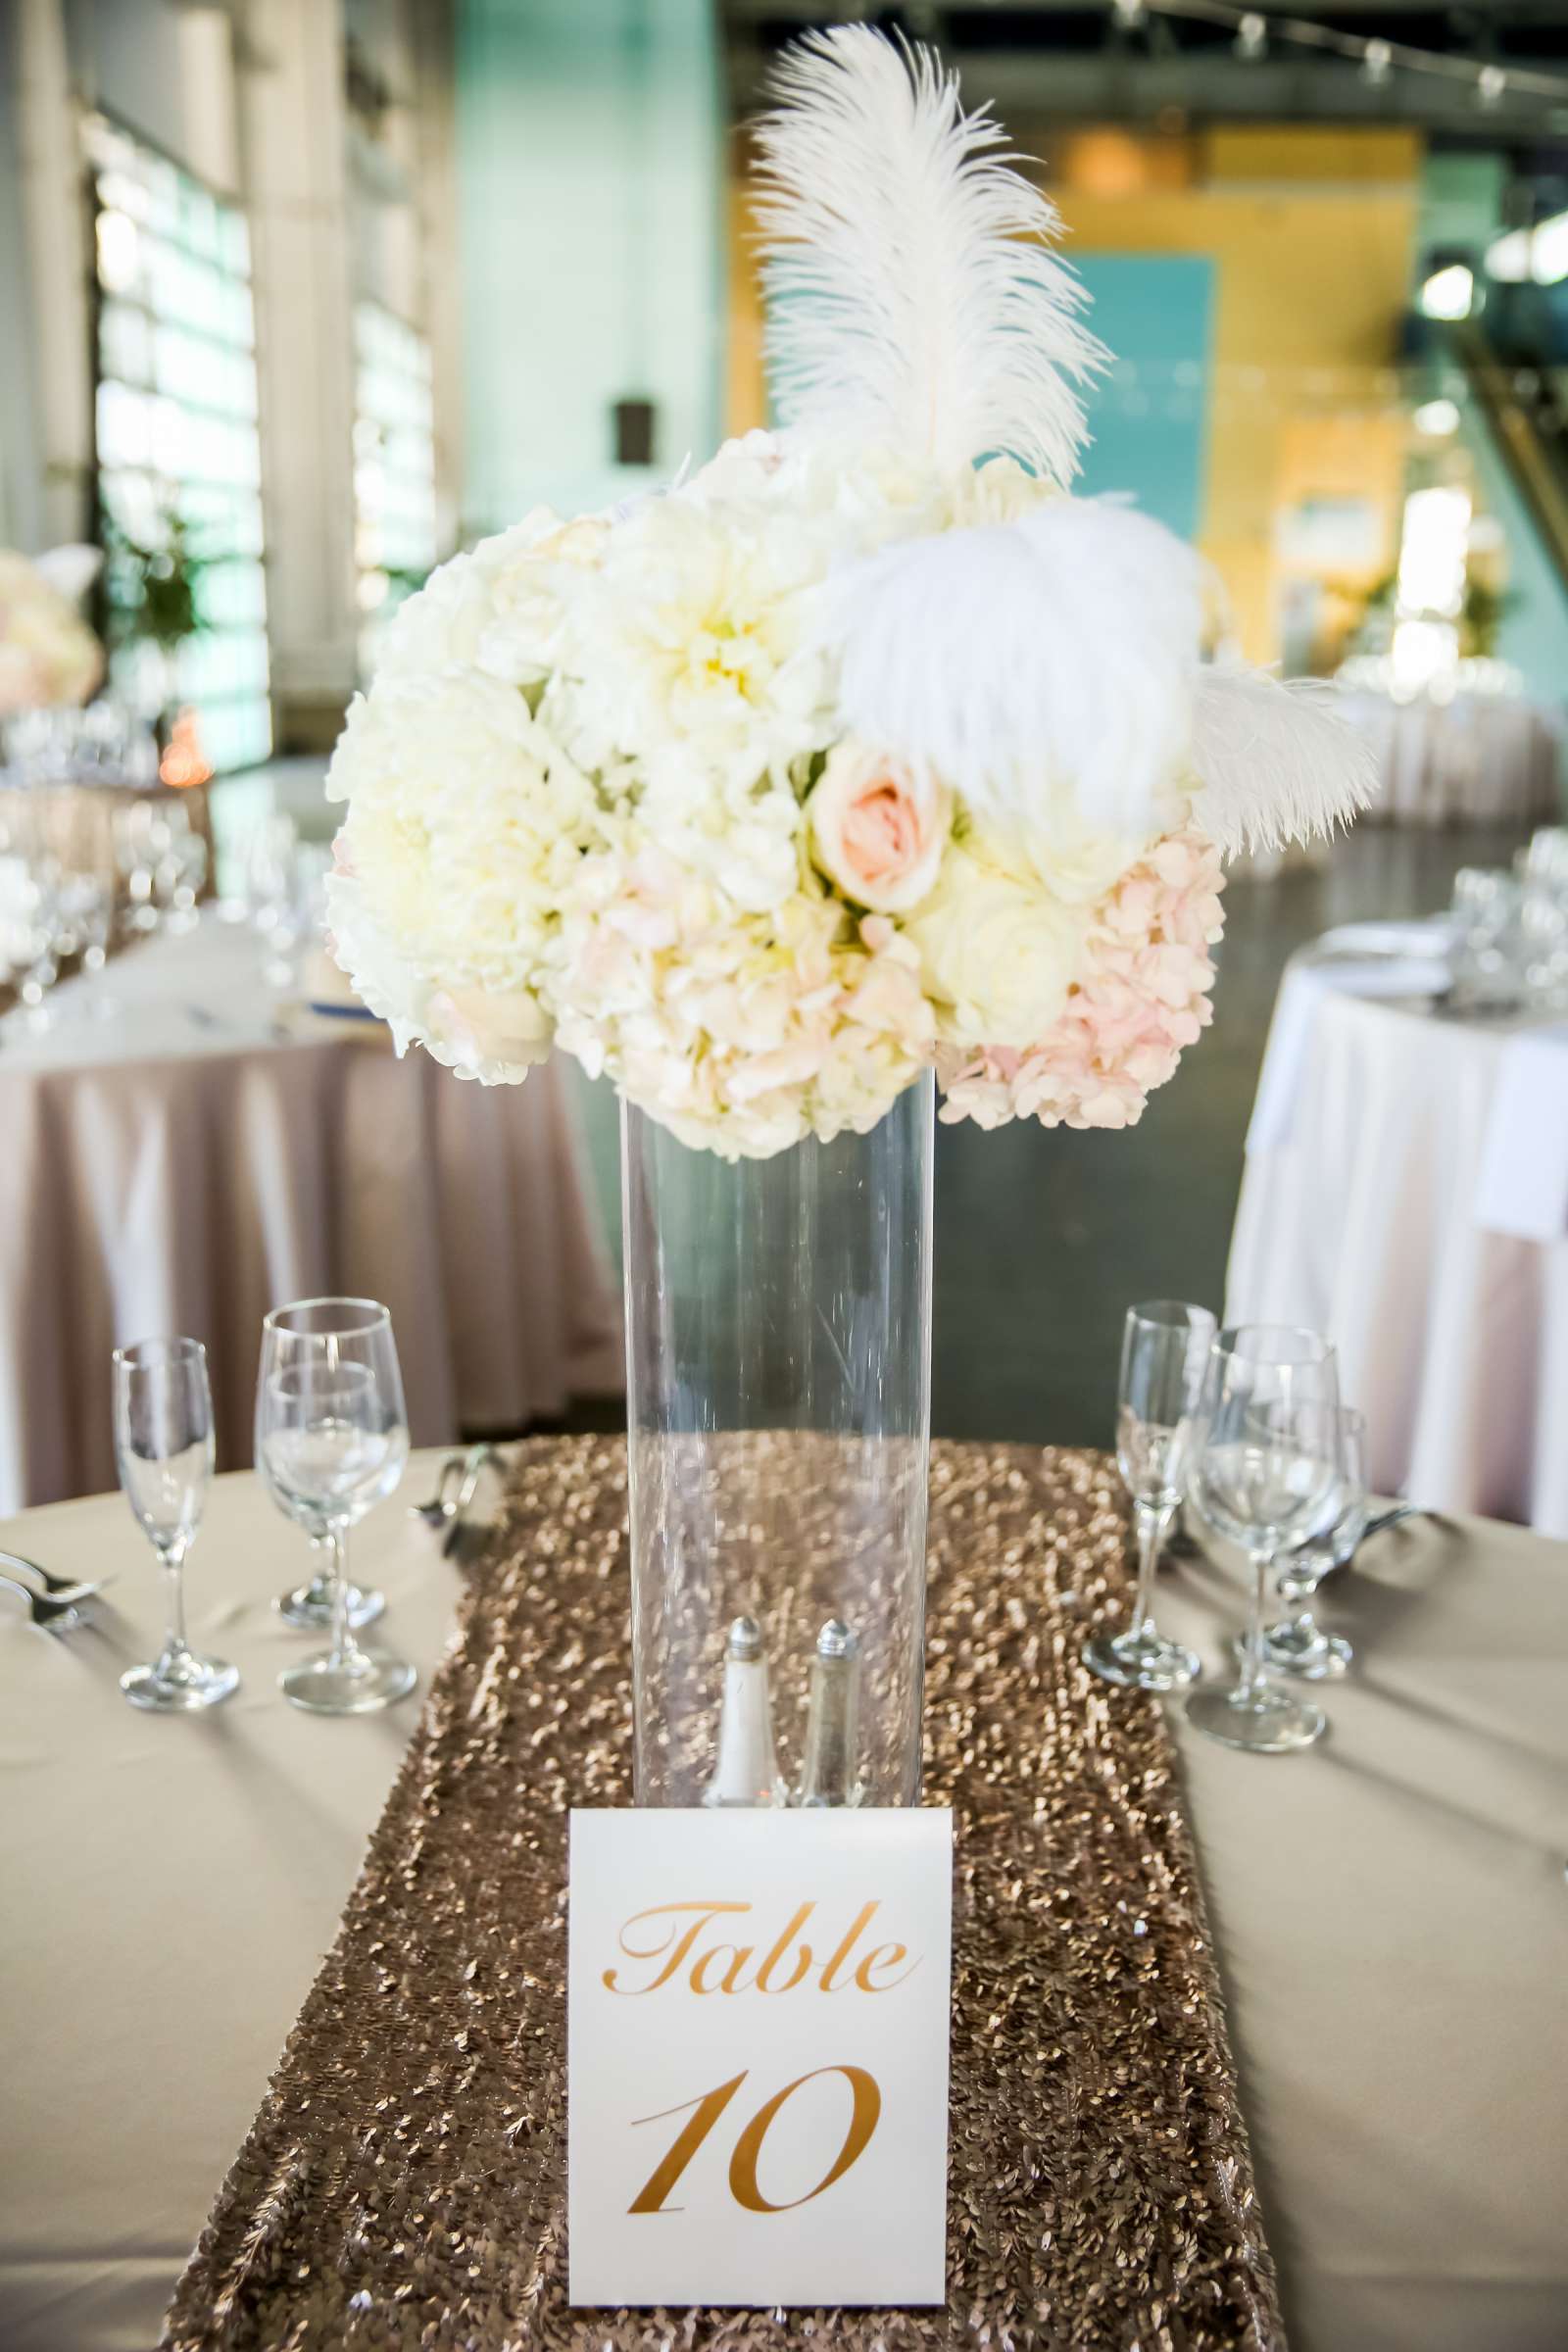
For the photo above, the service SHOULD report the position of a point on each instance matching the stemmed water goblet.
(1164, 1353)
(1298, 1644)
(1264, 1468)
(332, 1437)
(309, 1606)
(164, 1451)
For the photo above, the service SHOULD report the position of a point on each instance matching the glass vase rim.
(1169, 1314)
(1228, 1336)
(160, 1351)
(374, 1315)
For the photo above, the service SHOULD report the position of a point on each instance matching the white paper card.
(757, 2057)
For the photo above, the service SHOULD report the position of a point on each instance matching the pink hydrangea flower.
(1140, 997)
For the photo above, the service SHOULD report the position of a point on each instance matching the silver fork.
(50, 1583)
(59, 1616)
(455, 1489)
(1394, 1517)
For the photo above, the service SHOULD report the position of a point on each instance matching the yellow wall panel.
(1312, 234)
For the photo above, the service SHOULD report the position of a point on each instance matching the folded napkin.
(1522, 1184)
(1289, 1036)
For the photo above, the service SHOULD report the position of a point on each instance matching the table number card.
(757, 2057)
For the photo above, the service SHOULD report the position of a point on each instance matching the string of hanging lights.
(1255, 29)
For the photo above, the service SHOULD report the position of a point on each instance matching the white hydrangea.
(741, 1032)
(466, 827)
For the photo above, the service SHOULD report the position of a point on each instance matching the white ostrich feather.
(911, 300)
(1274, 762)
(1033, 665)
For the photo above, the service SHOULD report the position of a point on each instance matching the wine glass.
(1263, 1471)
(309, 1606)
(1298, 1644)
(332, 1437)
(1164, 1352)
(164, 1452)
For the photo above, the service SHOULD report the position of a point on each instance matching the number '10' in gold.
(743, 2185)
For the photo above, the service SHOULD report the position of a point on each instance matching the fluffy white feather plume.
(1033, 664)
(911, 299)
(1275, 764)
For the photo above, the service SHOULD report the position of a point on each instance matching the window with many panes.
(177, 447)
(394, 467)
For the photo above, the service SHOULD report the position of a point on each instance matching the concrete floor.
(1042, 1240)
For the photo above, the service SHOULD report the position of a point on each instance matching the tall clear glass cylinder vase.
(778, 1321)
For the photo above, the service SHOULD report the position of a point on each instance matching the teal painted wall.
(589, 145)
(1533, 633)
(1155, 312)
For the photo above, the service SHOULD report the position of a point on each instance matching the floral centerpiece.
(863, 748)
(48, 654)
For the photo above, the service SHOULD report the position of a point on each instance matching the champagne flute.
(1298, 1644)
(164, 1452)
(1164, 1352)
(332, 1437)
(1263, 1472)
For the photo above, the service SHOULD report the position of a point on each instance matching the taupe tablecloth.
(1364, 1214)
(1389, 1912)
(210, 1151)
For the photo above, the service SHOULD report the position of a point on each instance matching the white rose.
(877, 829)
(997, 952)
(1069, 859)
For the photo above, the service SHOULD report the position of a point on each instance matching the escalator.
(1522, 402)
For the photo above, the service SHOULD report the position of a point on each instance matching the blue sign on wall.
(1148, 414)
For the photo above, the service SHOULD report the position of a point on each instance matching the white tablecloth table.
(1389, 1912)
(1368, 1211)
(1480, 760)
(210, 1151)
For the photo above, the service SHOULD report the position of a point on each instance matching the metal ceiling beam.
(1109, 87)
(1499, 15)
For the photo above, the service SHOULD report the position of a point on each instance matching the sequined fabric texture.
(403, 2183)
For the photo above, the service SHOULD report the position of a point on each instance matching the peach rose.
(877, 830)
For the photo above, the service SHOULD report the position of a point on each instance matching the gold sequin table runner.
(404, 2182)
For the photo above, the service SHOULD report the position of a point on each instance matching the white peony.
(997, 949)
(687, 645)
(445, 624)
(532, 580)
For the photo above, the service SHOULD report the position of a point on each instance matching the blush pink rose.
(878, 830)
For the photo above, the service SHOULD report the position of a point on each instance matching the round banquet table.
(1479, 759)
(1406, 1191)
(212, 1149)
(1389, 1910)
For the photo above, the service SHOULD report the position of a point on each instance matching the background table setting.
(1407, 2137)
(1474, 758)
(1406, 1188)
(188, 1143)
